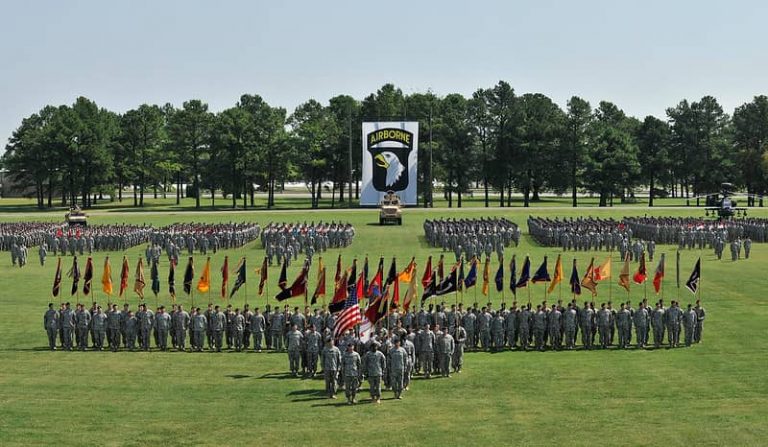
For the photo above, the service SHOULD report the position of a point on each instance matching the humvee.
(389, 209)
(76, 216)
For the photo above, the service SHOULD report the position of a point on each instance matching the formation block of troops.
(693, 233)
(28, 234)
(63, 240)
(472, 237)
(286, 241)
(580, 234)
(199, 238)
(689, 232)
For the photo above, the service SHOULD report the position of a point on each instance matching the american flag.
(348, 317)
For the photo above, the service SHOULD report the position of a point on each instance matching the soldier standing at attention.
(747, 247)
(674, 316)
(217, 324)
(146, 322)
(247, 315)
(199, 326)
(603, 325)
(446, 346)
(209, 317)
(51, 325)
(331, 358)
(426, 344)
(374, 368)
(623, 320)
(258, 326)
(700, 316)
(99, 323)
(130, 325)
(80, 321)
(351, 369)
(276, 330)
(458, 351)
(114, 319)
(238, 330)
(42, 252)
(162, 326)
(657, 320)
(397, 360)
(180, 325)
(313, 341)
(570, 322)
(294, 340)
(587, 315)
(539, 327)
(689, 324)
(641, 324)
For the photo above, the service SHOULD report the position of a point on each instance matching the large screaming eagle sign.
(390, 156)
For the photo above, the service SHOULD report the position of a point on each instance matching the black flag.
(448, 284)
(189, 276)
(240, 278)
(155, 275)
(172, 280)
(693, 282)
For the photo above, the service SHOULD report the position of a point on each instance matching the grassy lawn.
(715, 393)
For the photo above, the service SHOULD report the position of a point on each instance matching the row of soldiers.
(580, 234)
(116, 329)
(514, 328)
(81, 240)
(692, 232)
(472, 237)
(284, 242)
(636, 249)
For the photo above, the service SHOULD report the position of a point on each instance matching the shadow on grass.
(278, 376)
(238, 376)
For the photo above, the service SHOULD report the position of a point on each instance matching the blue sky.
(643, 55)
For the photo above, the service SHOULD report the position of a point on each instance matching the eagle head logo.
(388, 160)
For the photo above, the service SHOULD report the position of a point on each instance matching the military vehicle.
(389, 209)
(76, 217)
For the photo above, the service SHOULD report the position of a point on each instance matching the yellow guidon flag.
(486, 275)
(410, 294)
(204, 284)
(558, 277)
(603, 271)
(624, 275)
(405, 275)
(106, 278)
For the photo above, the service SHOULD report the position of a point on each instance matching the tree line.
(495, 141)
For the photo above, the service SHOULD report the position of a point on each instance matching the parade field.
(714, 393)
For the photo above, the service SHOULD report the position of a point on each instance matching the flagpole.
(245, 261)
(698, 290)
(677, 273)
(661, 283)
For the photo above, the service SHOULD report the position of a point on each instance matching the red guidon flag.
(658, 277)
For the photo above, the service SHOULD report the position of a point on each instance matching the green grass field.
(715, 393)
